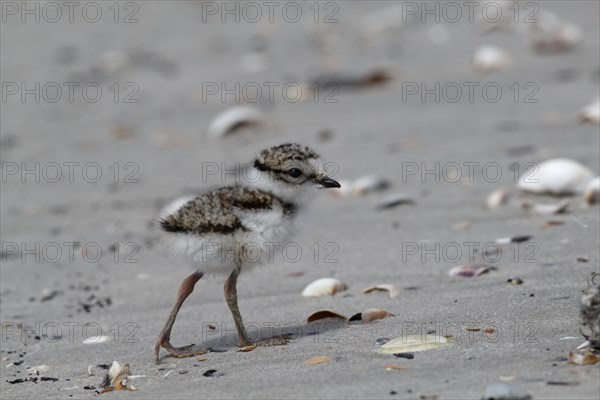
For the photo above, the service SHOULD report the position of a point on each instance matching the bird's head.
(291, 170)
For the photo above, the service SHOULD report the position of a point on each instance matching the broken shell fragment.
(489, 59)
(592, 191)
(96, 339)
(369, 184)
(391, 289)
(590, 114)
(370, 315)
(564, 38)
(234, 118)
(324, 314)
(317, 360)
(470, 270)
(413, 343)
(545, 209)
(513, 239)
(515, 280)
(585, 358)
(394, 367)
(394, 200)
(324, 287)
(115, 378)
(498, 197)
(556, 176)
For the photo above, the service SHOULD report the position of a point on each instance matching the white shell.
(591, 113)
(394, 200)
(497, 198)
(230, 119)
(545, 209)
(556, 176)
(369, 184)
(391, 289)
(96, 339)
(592, 191)
(324, 287)
(490, 58)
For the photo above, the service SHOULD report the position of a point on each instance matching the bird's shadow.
(220, 339)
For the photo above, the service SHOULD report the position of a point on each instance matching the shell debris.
(394, 200)
(370, 315)
(325, 314)
(234, 118)
(583, 358)
(590, 114)
(498, 198)
(413, 343)
(592, 191)
(470, 270)
(545, 209)
(391, 289)
(490, 59)
(324, 287)
(557, 176)
(116, 378)
(317, 360)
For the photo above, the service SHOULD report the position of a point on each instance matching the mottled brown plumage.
(213, 212)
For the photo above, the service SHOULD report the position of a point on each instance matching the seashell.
(234, 118)
(324, 287)
(393, 201)
(504, 391)
(542, 209)
(116, 370)
(35, 370)
(515, 280)
(585, 358)
(408, 356)
(590, 114)
(324, 314)
(556, 176)
(591, 193)
(413, 344)
(370, 315)
(564, 38)
(317, 360)
(391, 289)
(489, 59)
(340, 81)
(394, 367)
(369, 184)
(470, 270)
(498, 197)
(513, 239)
(96, 339)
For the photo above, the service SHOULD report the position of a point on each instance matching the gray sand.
(168, 55)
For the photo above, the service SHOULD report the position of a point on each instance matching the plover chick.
(216, 230)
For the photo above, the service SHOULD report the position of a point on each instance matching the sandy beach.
(104, 119)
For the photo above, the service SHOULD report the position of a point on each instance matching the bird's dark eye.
(295, 172)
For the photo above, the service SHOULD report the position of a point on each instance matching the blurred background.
(111, 109)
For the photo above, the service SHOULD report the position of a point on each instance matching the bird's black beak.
(326, 181)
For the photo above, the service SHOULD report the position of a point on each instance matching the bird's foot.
(178, 352)
(280, 340)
